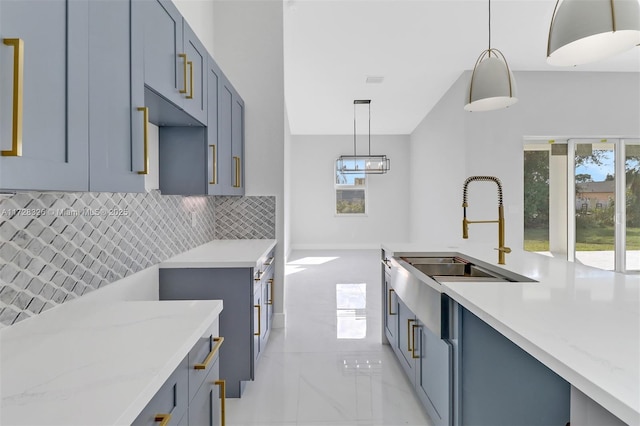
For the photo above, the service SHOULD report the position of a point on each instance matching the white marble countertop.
(221, 254)
(95, 363)
(581, 322)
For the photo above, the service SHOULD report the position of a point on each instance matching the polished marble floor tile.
(328, 366)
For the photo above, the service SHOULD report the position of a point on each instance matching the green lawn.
(590, 239)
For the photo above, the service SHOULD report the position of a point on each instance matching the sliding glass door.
(582, 201)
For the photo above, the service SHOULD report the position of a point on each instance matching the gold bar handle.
(190, 95)
(214, 165)
(219, 341)
(390, 307)
(409, 349)
(236, 183)
(259, 320)
(18, 72)
(145, 133)
(223, 397)
(413, 337)
(184, 72)
(270, 302)
(258, 276)
(164, 419)
(268, 262)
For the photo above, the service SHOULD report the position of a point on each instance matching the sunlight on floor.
(312, 260)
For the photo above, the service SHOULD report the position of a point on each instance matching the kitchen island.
(96, 363)
(581, 323)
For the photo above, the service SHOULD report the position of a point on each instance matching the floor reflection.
(351, 311)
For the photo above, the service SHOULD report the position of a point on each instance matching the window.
(351, 192)
(581, 201)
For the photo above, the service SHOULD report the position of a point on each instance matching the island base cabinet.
(501, 384)
(170, 403)
(206, 406)
(434, 378)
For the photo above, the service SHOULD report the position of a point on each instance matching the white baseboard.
(334, 246)
(278, 320)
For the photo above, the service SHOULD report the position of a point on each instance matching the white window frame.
(341, 187)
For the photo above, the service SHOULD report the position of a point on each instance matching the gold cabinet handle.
(270, 302)
(214, 165)
(164, 419)
(413, 337)
(236, 183)
(219, 341)
(145, 137)
(184, 72)
(269, 261)
(223, 397)
(258, 276)
(409, 349)
(390, 307)
(259, 320)
(190, 95)
(18, 71)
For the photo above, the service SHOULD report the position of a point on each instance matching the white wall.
(437, 164)
(287, 186)
(313, 220)
(199, 15)
(249, 49)
(556, 104)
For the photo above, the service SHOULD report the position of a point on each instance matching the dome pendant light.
(584, 31)
(492, 85)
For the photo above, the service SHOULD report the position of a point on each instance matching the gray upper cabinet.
(44, 124)
(195, 100)
(116, 129)
(164, 67)
(237, 143)
(218, 172)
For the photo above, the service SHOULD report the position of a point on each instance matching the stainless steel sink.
(453, 269)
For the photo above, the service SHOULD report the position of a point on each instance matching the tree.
(536, 188)
(583, 177)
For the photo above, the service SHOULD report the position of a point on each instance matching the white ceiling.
(420, 47)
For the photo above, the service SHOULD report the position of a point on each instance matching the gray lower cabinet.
(501, 384)
(245, 321)
(390, 308)
(44, 125)
(194, 394)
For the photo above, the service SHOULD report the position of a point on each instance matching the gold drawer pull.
(259, 320)
(214, 165)
(190, 95)
(270, 302)
(223, 397)
(184, 72)
(413, 337)
(258, 276)
(409, 334)
(268, 262)
(219, 341)
(18, 71)
(236, 183)
(390, 307)
(145, 137)
(164, 419)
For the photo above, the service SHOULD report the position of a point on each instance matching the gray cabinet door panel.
(182, 160)
(218, 153)
(204, 408)
(235, 287)
(434, 378)
(390, 311)
(115, 157)
(503, 385)
(237, 142)
(406, 319)
(163, 67)
(195, 102)
(226, 161)
(55, 102)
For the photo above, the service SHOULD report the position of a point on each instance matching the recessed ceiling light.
(374, 79)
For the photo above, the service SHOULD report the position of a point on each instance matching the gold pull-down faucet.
(465, 223)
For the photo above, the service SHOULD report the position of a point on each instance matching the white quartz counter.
(582, 323)
(95, 363)
(222, 254)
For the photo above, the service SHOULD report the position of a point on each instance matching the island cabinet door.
(501, 384)
(390, 311)
(205, 409)
(257, 323)
(435, 375)
(405, 343)
(44, 109)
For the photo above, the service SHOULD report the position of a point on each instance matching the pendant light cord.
(489, 27)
